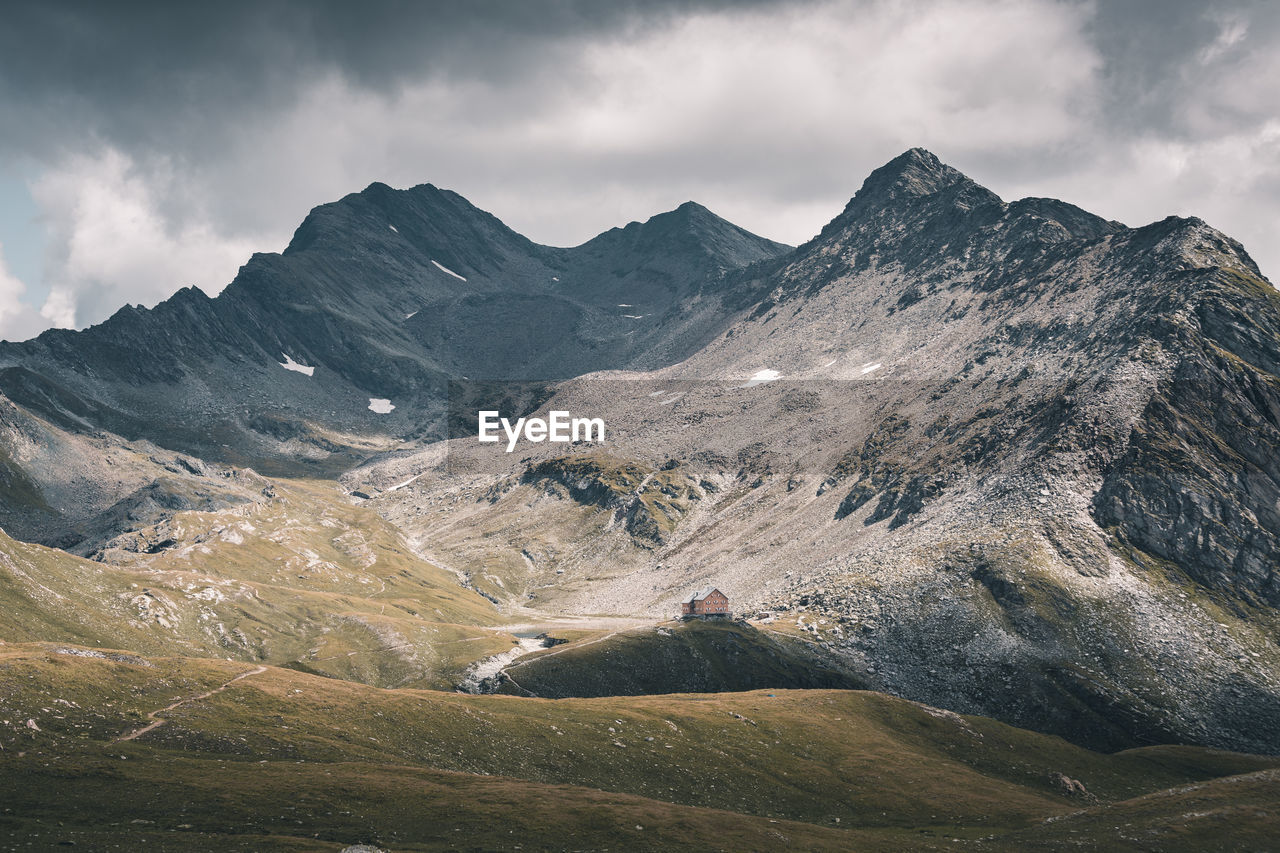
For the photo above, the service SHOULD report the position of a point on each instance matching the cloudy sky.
(148, 146)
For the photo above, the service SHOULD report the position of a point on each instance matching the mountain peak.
(679, 217)
(687, 215)
(437, 221)
(897, 187)
(691, 207)
(692, 231)
(915, 172)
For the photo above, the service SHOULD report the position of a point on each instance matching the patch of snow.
(399, 486)
(290, 364)
(657, 393)
(829, 363)
(634, 316)
(380, 406)
(760, 378)
(672, 400)
(555, 278)
(489, 667)
(393, 228)
(870, 366)
(624, 304)
(411, 315)
(447, 271)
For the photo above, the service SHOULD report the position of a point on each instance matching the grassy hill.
(697, 656)
(303, 579)
(226, 756)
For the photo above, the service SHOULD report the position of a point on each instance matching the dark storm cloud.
(1153, 50)
(131, 71)
(1158, 77)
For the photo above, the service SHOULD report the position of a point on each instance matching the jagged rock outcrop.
(649, 503)
(1199, 482)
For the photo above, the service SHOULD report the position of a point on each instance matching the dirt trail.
(154, 716)
(568, 647)
(536, 620)
(619, 624)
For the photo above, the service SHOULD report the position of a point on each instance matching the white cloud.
(121, 235)
(1232, 29)
(1230, 181)
(981, 72)
(774, 117)
(1216, 155)
(17, 319)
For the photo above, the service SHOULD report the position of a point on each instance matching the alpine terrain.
(992, 488)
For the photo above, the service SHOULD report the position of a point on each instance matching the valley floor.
(105, 750)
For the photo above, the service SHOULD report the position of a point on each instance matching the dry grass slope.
(281, 760)
(303, 579)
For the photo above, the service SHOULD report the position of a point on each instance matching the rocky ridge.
(386, 295)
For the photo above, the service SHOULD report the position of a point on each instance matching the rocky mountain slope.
(343, 346)
(1009, 458)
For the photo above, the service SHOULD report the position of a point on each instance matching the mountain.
(295, 578)
(1152, 350)
(1006, 459)
(384, 295)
